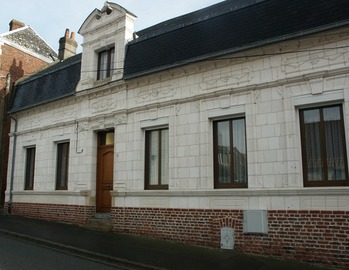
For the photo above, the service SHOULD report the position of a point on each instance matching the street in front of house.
(16, 255)
(124, 251)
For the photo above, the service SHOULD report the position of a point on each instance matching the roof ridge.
(15, 31)
(27, 38)
(36, 33)
(191, 18)
(259, 24)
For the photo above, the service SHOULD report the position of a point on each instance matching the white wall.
(268, 89)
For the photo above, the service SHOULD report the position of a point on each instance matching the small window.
(324, 153)
(106, 138)
(29, 168)
(230, 155)
(156, 159)
(62, 166)
(105, 64)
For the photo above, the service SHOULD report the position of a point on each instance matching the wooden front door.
(105, 171)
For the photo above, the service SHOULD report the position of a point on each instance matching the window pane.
(103, 65)
(239, 151)
(164, 157)
(334, 143)
(312, 145)
(312, 116)
(29, 168)
(62, 165)
(106, 138)
(223, 151)
(112, 57)
(230, 154)
(106, 64)
(323, 147)
(109, 138)
(153, 158)
(157, 159)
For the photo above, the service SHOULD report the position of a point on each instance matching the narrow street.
(18, 255)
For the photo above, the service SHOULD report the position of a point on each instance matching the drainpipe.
(9, 203)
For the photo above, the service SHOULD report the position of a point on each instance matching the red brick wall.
(18, 63)
(310, 236)
(71, 214)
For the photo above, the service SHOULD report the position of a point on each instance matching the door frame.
(105, 144)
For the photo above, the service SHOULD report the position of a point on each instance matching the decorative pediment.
(107, 14)
(110, 27)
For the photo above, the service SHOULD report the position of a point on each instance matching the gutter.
(41, 103)
(9, 203)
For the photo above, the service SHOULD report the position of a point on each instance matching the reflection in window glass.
(29, 168)
(157, 159)
(106, 138)
(323, 146)
(230, 155)
(62, 166)
(105, 64)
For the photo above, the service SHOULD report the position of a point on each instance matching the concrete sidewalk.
(132, 252)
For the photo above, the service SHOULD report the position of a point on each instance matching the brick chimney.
(14, 24)
(67, 46)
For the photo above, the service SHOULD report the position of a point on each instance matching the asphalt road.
(120, 249)
(18, 255)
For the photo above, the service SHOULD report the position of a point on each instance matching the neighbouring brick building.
(225, 127)
(22, 52)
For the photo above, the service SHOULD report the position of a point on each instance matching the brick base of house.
(71, 214)
(309, 236)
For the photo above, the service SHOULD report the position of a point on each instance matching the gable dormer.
(105, 33)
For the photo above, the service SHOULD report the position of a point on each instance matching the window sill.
(102, 82)
(321, 191)
(52, 193)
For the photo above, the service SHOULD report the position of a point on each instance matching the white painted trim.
(83, 193)
(29, 143)
(154, 123)
(327, 191)
(61, 138)
(220, 113)
(329, 97)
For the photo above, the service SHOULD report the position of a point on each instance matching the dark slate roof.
(230, 26)
(57, 81)
(194, 17)
(227, 27)
(27, 38)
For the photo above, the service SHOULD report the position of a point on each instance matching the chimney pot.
(67, 45)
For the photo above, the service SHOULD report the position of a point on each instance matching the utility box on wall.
(227, 238)
(256, 221)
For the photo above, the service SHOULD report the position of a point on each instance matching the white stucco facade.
(267, 86)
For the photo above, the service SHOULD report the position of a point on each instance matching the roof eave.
(11, 112)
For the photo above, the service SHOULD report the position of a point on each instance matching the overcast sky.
(50, 18)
